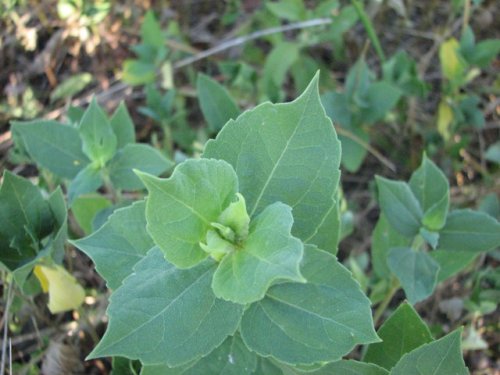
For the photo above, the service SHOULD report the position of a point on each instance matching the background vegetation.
(398, 78)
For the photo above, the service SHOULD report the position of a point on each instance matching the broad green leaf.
(181, 209)
(277, 64)
(88, 180)
(53, 145)
(25, 219)
(484, 52)
(231, 358)
(493, 153)
(381, 97)
(402, 332)
(416, 271)
(99, 140)
(137, 72)
(217, 105)
(71, 86)
(432, 190)
(472, 231)
(119, 244)
(384, 238)
(342, 367)
(137, 156)
(161, 314)
(269, 254)
(443, 357)
(151, 32)
(289, 153)
(124, 366)
(85, 208)
(321, 320)
(123, 126)
(399, 206)
(452, 263)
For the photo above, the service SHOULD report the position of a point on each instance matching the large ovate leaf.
(431, 188)
(53, 145)
(400, 334)
(162, 314)
(399, 206)
(138, 156)
(86, 207)
(451, 263)
(443, 357)
(119, 244)
(342, 367)
(384, 238)
(289, 153)
(216, 104)
(231, 358)
(269, 253)
(416, 271)
(122, 126)
(180, 209)
(25, 219)
(321, 320)
(468, 230)
(99, 140)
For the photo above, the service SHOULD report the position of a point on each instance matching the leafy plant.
(97, 151)
(231, 265)
(32, 238)
(418, 240)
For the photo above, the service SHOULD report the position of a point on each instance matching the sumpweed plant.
(229, 267)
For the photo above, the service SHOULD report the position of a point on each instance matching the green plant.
(91, 152)
(231, 265)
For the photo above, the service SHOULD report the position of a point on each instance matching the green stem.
(370, 30)
(108, 185)
(385, 302)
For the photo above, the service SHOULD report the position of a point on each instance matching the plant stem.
(370, 30)
(465, 20)
(385, 302)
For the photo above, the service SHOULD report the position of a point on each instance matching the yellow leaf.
(451, 63)
(445, 117)
(64, 291)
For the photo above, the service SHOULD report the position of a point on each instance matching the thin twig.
(6, 328)
(346, 133)
(118, 86)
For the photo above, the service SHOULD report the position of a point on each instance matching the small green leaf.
(381, 97)
(119, 244)
(137, 156)
(399, 206)
(384, 238)
(452, 263)
(443, 357)
(99, 140)
(493, 153)
(88, 180)
(85, 208)
(289, 153)
(472, 231)
(452, 64)
(277, 64)
(25, 219)
(269, 253)
(432, 190)
(217, 105)
(53, 145)
(137, 72)
(402, 332)
(432, 238)
(161, 314)
(321, 320)
(181, 209)
(416, 271)
(123, 126)
(71, 86)
(290, 10)
(151, 32)
(231, 358)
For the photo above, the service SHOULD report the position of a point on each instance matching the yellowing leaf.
(64, 291)
(445, 117)
(451, 63)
